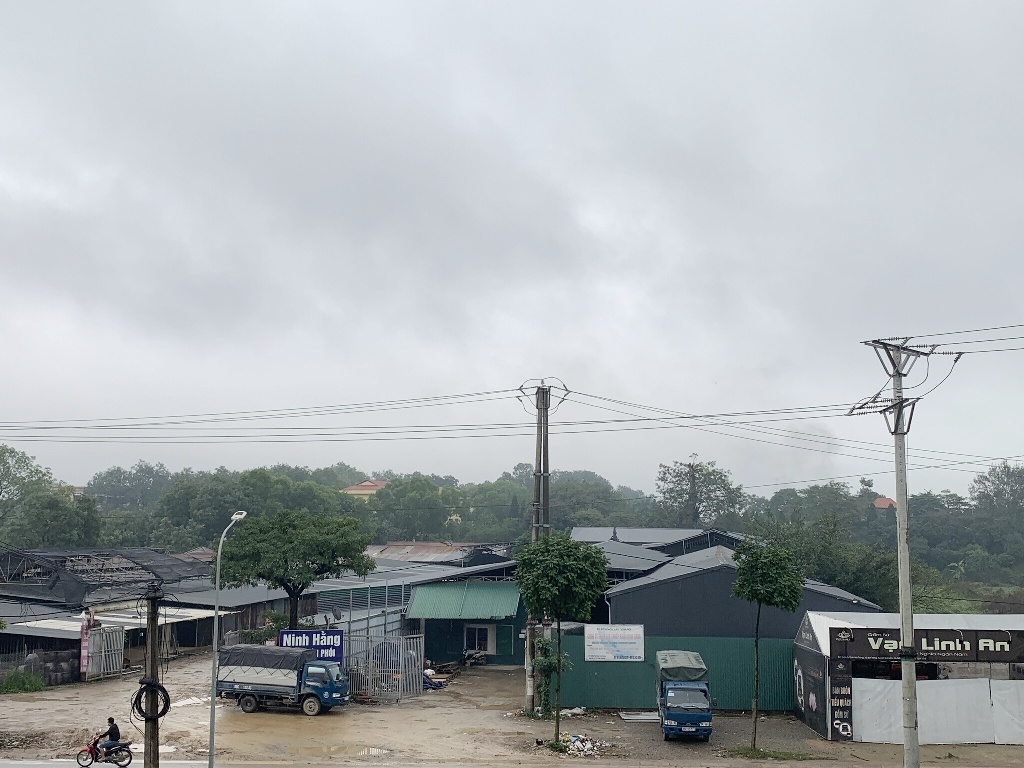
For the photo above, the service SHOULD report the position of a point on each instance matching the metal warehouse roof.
(633, 535)
(392, 573)
(629, 557)
(68, 626)
(702, 560)
(434, 551)
(821, 621)
(464, 600)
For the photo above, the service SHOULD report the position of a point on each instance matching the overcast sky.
(701, 207)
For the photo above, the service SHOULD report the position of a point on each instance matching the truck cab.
(325, 680)
(686, 710)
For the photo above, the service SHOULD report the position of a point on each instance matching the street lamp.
(238, 516)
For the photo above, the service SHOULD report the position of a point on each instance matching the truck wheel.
(311, 706)
(248, 704)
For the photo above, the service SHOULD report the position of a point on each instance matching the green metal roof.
(464, 600)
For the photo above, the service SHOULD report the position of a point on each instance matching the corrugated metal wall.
(730, 662)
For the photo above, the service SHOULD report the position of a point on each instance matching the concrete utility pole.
(694, 512)
(898, 359)
(541, 520)
(152, 742)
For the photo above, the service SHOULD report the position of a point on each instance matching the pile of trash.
(581, 745)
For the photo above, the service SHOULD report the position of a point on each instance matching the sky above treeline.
(281, 211)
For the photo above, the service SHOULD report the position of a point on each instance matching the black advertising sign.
(840, 700)
(809, 689)
(1002, 645)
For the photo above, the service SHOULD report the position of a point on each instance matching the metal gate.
(385, 667)
(106, 652)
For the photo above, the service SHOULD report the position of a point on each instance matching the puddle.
(373, 752)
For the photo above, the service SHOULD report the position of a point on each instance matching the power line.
(955, 333)
(304, 412)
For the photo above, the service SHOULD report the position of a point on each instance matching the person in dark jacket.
(112, 736)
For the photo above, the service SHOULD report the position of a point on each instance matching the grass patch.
(557, 746)
(771, 754)
(21, 682)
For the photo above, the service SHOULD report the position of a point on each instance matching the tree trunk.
(293, 609)
(558, 687)
(757, 676)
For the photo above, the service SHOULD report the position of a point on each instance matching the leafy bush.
(21, 682)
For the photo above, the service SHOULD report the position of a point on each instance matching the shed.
(697, 591)
(970, 677)
(687, 603)
(477, 615)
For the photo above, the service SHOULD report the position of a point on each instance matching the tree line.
(968, 550)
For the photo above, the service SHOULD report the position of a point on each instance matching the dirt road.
(468, 722)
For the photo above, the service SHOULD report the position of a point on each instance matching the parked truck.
(684, 700)
(257, 676)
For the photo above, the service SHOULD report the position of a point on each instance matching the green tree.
(560, 578)
(290, 550)
(415, 508)
(766, 574)
(135, 489)
(698, 492)
(825, 552)
(20, 477)
(54, 519)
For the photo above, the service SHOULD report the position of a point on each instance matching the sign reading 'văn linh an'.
(930, 644)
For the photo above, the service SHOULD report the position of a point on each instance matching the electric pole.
(541, 520)
(898, 359)
(152, 741)
(694, 512)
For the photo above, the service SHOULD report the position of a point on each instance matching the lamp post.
(239, 515)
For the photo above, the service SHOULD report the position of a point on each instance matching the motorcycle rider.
(113, 736)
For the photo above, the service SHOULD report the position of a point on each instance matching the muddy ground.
(467, 722)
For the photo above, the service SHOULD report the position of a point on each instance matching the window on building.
(480, 637)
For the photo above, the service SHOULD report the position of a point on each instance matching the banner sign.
(329, 644)
(83, 645)
(932, 644)
(613, 642)
(840, 702)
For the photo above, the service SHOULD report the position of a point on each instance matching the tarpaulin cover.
(877, 711)
(681, 666)
(1008, 711)
(268, 656)
(949, 711)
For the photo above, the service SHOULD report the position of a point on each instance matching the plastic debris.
(581, 745)
(574, 712)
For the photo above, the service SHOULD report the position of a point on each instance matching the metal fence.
(385, 667)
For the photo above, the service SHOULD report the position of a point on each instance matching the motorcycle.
(119, 754)
(471, 657)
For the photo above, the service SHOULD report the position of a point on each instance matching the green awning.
(464, 600)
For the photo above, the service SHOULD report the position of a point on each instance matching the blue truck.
(257, 676)
(684, 700)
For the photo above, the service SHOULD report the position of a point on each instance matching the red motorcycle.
(119, 754)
